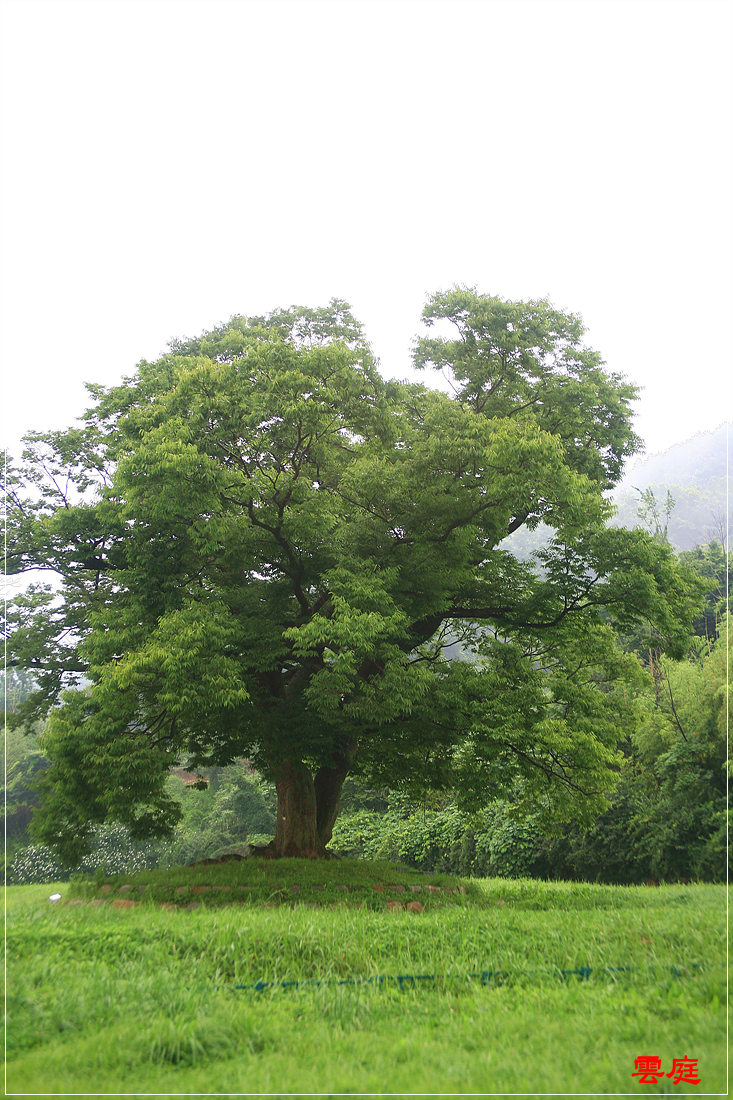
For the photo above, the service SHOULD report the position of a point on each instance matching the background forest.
(667, 818)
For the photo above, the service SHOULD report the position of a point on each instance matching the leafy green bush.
(35, 863)
(667, 821)
(445, 840)
(403, 834)
(113, 852)
(24, 762)
(235, 808)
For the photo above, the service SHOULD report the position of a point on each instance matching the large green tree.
(265, 551)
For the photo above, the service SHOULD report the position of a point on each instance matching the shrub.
(35, 863)
(447, 840)
(114, 853)
(234, 810)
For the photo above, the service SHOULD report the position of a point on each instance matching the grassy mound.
(318, 883)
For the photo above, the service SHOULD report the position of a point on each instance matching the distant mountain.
(695, 462)
(694, 472)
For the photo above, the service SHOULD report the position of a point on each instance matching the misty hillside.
(695, 474)
(694, 462)
(693, 471)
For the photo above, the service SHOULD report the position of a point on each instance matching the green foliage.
(699, 511)
(265, 550)
(24, 762)
(666, 819)
(687, 721)
(231, 811)
(16, 685)
(494, 843)
(35, 863)
(415, 838)
(694, 473)
(655, 516)
(237, 808)
(357, 795)
(668, 816)
(507, 847)
(112, 852)
(712, 563)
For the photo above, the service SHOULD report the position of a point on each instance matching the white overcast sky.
(168, 163)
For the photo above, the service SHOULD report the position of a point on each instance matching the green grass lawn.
(147, 999)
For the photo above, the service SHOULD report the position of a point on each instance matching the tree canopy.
(269, 552)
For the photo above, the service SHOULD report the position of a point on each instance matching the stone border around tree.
(185, 892)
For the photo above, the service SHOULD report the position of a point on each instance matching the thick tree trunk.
(296, 832)
(328, 784)
(306, 807)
